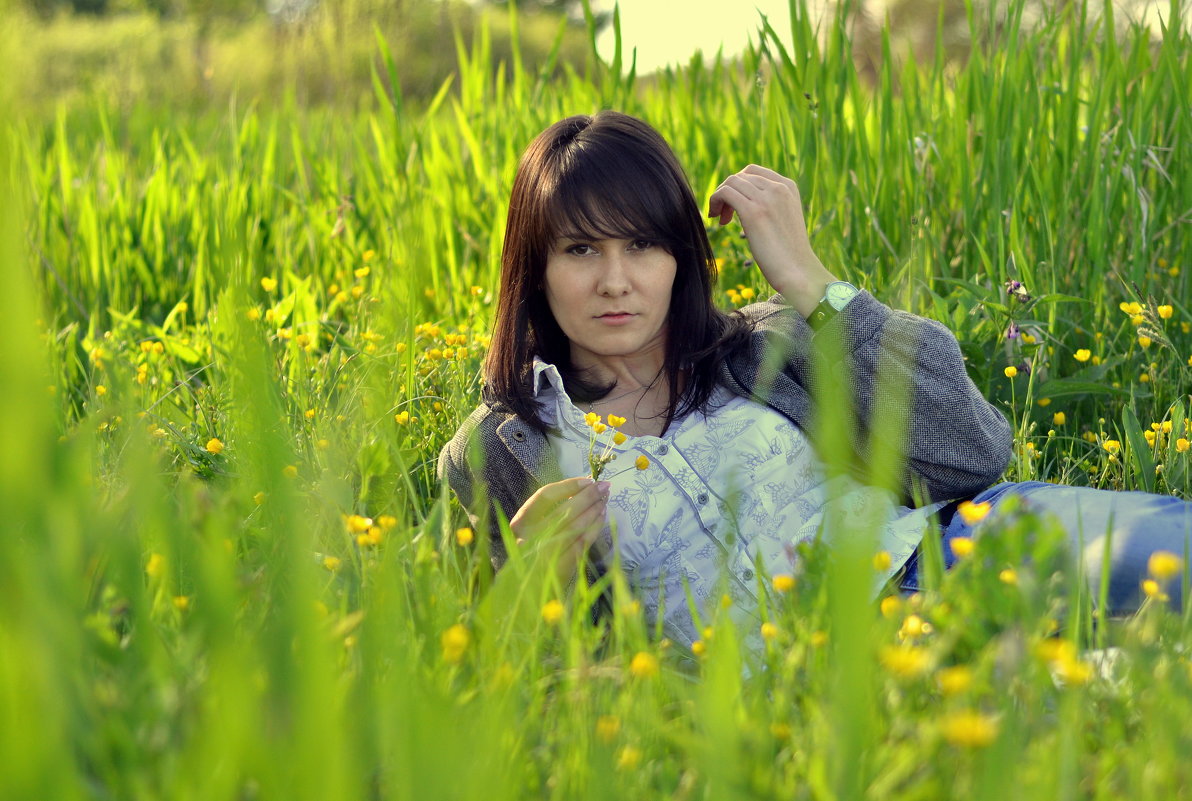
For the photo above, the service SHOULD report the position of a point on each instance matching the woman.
(606, 310)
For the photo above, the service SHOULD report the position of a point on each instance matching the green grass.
(183, 623)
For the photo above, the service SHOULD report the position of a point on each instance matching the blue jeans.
(1141, 523)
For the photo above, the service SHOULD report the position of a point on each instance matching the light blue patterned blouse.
(724, 494)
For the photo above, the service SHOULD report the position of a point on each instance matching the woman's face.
(611, 297)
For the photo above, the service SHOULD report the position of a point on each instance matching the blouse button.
(519, 435)
(747, 575)
(701, 499)
(663, 449)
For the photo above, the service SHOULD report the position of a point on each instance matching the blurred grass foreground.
(236, 335)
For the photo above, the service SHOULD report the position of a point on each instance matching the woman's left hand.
(771, 213)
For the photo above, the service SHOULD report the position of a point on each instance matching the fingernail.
(586, 482)
(604, 486)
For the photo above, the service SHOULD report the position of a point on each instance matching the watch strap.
(825, 311)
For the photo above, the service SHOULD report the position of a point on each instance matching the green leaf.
(1140, 450)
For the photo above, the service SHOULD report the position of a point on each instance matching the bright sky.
(669, 31)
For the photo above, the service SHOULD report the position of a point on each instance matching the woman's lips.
(616, 319)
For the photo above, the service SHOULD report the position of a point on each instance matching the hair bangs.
(595, 200)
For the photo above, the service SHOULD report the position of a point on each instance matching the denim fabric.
(1141, 523)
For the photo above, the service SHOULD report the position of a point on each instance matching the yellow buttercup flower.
(332, 563)
(1144, 340)
(881, 561)
(905, 661)
(954, 680)
(641, 462)
(783, 582)
(1059, 418)
(628, 758)
(1164, 565)
(1082, 355)
(1112, 446)
(769, 631)
(698, 648)
(268, 284)
(615, 421)
(973, 513)
(891, 606)
(1165, 312)
(1008, 576)
(454, 642)
(358, 523)
(914, 627)
(961, 546)
(644, 665)
(1182, 444)
(1131, 308)
(214, 446)
(1153, 589)
(619, 438)
(591, 419)
(599, 428)
(968, 729)
(552, 611)
(1010, 371)
(156, 566)
(464, 536)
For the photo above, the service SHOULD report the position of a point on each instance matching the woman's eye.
(642, 244)
(579, 250)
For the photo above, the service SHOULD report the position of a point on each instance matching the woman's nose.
(614, 278)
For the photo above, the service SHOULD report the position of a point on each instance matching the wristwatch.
(837, 295)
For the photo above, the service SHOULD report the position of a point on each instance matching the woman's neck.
(624, 373)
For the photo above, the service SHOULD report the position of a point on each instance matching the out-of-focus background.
(188, 53)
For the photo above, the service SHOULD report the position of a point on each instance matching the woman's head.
(607, 176)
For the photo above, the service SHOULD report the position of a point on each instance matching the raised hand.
(771, 213)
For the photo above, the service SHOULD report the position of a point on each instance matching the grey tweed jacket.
(907, 368)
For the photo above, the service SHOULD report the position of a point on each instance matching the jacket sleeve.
(478, 498)
(906, 368)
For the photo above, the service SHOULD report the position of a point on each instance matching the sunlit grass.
(295, 611)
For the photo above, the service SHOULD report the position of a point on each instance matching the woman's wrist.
(803, 289)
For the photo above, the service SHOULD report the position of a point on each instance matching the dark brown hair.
(603, 176)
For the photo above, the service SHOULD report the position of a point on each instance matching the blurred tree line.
(288, 10)
(172, 53)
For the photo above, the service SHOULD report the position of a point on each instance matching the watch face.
(839, 293)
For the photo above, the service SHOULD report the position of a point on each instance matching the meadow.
(235, 341)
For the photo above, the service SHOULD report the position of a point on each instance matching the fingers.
(750, 187)
(570, 504)
(581, 510)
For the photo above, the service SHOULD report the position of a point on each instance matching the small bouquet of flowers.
(600, 452)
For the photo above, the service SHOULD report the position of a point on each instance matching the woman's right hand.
(574, 510)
